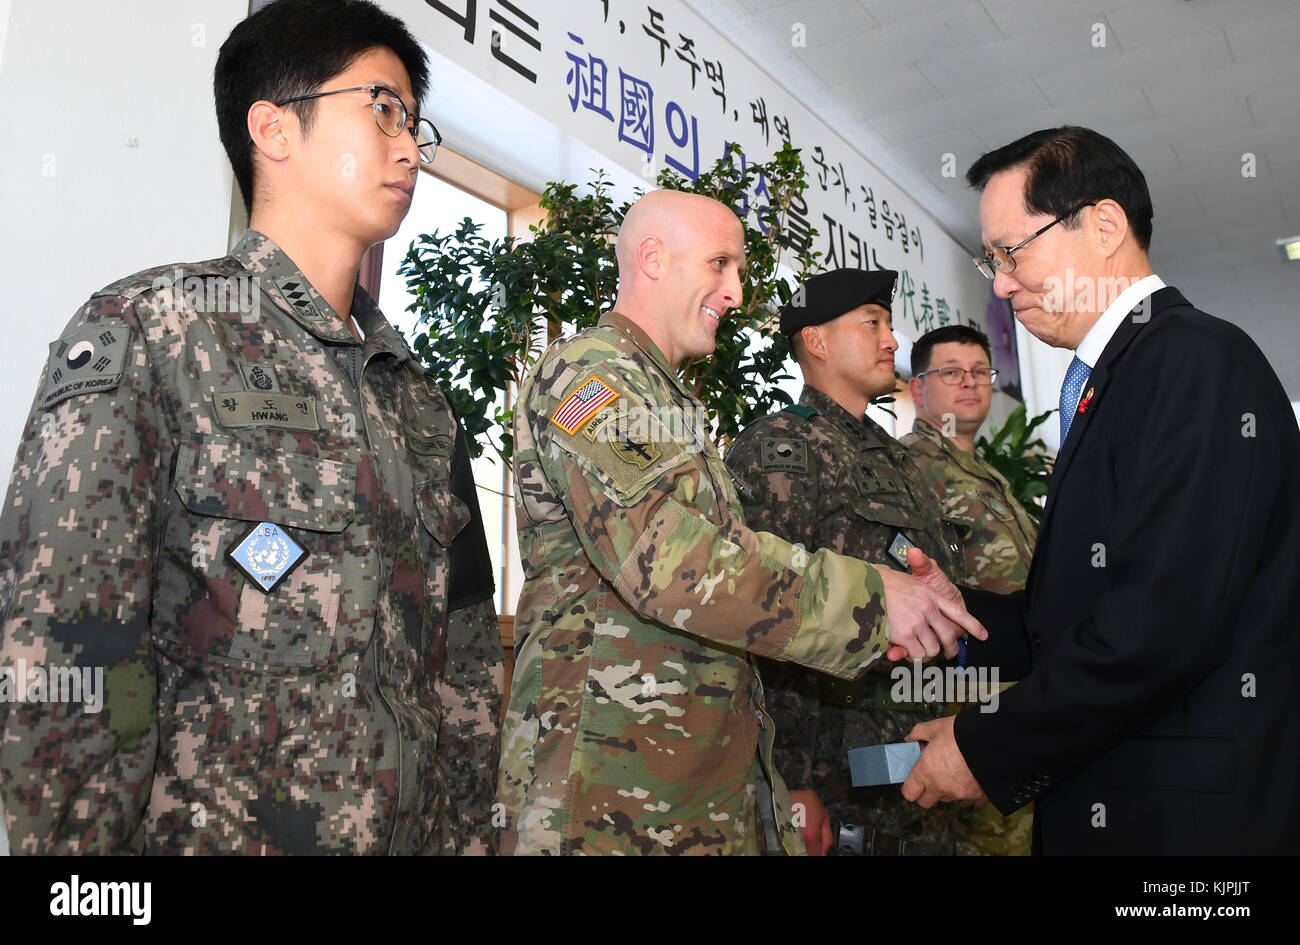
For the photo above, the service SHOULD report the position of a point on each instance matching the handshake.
(926, 617)
(926, 612)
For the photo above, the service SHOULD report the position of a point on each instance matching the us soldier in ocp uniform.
(952, 388)
(825, 475)
(635, 714)
(238, 493)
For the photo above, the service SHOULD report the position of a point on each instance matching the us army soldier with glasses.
(636, 721)
(952, 389)
(260, 520)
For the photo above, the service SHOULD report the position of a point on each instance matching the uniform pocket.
(442, 517)
(891, 516)
(228, 488)
(442, 514)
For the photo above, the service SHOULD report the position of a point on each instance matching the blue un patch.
(267, 554)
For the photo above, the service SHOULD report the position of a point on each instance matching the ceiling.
(1190, 88)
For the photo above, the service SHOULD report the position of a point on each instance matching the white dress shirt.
(1099, 335)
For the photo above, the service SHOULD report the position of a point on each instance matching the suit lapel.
(1098, 380)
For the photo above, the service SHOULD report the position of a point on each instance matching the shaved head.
(680, 263)
(667, 215)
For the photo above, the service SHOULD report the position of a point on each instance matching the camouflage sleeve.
(654, 523)
(469, 740)
(78, 541)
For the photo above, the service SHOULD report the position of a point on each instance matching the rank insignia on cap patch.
(267, 554)
(582, 404)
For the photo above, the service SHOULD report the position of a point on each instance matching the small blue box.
(883, 764)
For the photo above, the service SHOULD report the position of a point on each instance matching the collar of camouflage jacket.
(862, 429)
(967, 461)
(641, 339)
(284, 282)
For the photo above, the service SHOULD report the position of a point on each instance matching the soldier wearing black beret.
(833, 293)
(821, 473)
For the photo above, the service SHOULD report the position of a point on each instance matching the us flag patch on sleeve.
(582, 404)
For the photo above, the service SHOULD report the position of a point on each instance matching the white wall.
(112, 164)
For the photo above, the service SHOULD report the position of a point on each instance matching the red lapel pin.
(1083, 404)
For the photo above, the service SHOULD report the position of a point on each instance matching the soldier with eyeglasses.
(952, 390)
(239, 496)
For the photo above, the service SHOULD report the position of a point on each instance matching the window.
(462, 189)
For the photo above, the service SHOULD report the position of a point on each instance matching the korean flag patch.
(87, 360)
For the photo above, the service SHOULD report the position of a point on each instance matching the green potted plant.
(1022, 460)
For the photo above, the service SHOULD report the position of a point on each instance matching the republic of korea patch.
(583, 404)
(88, 360)
(781, 455)
(266, 554)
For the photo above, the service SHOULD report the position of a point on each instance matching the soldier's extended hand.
(926, 613)
(925, 570)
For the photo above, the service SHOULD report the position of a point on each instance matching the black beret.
(833, 293)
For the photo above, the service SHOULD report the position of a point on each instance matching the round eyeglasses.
(390, 115)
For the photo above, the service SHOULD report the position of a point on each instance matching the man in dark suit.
(1156, 642)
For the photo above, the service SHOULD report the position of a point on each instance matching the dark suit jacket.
(1157, 638)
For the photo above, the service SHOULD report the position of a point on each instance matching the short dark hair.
(1069, 166)
(291, 48)
(923, 347)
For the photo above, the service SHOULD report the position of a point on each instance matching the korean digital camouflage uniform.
(635, 713)
(350, 708)
(817, 475)
(997, 542)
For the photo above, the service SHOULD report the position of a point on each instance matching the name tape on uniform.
(235, 409)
